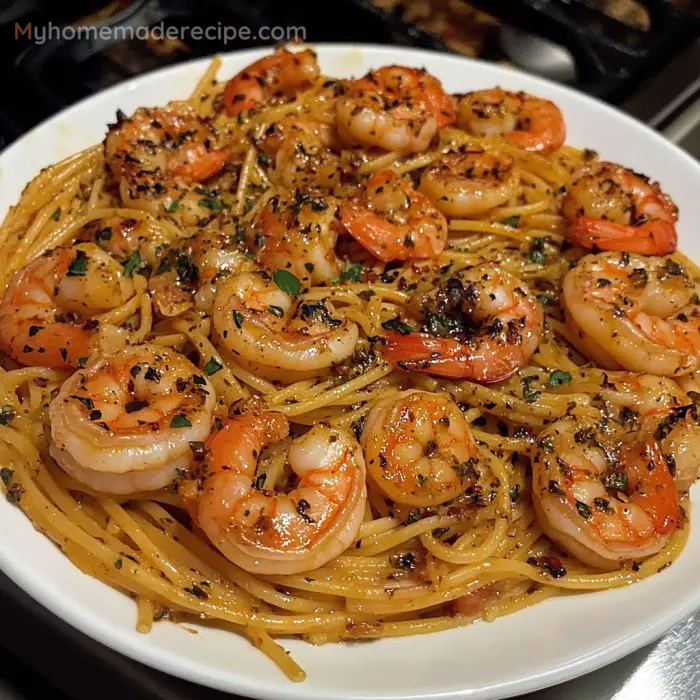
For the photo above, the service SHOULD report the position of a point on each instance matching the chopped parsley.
(79, 264)
(215, 205)
(173, 206)
(287, 282)
(56, 215)
(512, 221)
(559, 377)
(212, 367)
(6, 475)
(238, 319)
(132, 263)
(530, 395)
(602, 282)
(7, 414)
(180, 421)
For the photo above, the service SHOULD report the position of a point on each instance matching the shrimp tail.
(446, 357)
(658, 237)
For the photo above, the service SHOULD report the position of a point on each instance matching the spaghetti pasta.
(409, 568)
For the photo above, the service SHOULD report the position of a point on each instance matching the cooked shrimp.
(603, 501)
(525, 121)
(45, 314)
(494, 321)
(394, 108)
(469, 183)
(122, 236)
(298, 232)
(419, 448)
(261, 323)
(657, 406)
(279, 75)
(126, 422)
(274, 533)
(216, 255)
(393, 221)
(159, 154)
(303, 153)
(634, 312)
(612, 208)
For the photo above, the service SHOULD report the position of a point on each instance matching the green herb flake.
(544, 299)
(260, 481)
(276, 311)
(173, 206)
(351, 273)
(7, 414)
(132, 263)
(56, 215)
(104, 234)
(119, 563)
(559, 377)
(6, 475)
(79, 264)
(198, 380)
(82, 362)
(238, 319)
(512, 221)
(215, 205)
(530, 395)
(163, 267)
(602, 282)
(287, 282)
(583, 510)
(212, 367)
(515, 493)
(180, 421)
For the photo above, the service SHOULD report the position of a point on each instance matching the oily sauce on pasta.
(348, 359)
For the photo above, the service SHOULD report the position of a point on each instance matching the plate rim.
(136, 648)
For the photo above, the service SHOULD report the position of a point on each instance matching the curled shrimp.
(268, 532)
(634, 312)
(469, 183)
(603, 500)
(612, 208)
(393, 221)
(394, 108)
(419, 448)
(126, 422)
(279, 75)
(47, 309)
(303, 153)
(490, 326)
(298, 232)
(159, 154)
(261, 323)
(526, 122)
(215, 255)
(122, 236)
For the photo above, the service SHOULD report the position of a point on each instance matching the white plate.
(547, 644)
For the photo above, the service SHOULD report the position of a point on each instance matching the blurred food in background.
(474, 33)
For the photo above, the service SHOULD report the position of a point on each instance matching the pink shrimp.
(611, 208)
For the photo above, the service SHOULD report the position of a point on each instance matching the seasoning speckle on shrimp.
(281, 533)
(492, 326)
(349, 358)
(419, 448)
(634, 312)
(526, 122)
(125, 423)
(393, 221)
(47, 309)
(394, 108)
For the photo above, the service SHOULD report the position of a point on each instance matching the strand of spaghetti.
(415, 163)
(457, 555)
(227, 386)
(146, 320)
(248, 582)
(301, 387)
(502, 443)
(336, 393)
(244, 179)
(205, 81)
(479, 226)
(145, 610)
(392, 538)
(262, 640)
(117, 316)
(523, 210)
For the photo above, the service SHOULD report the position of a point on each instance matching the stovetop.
(41, 656)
